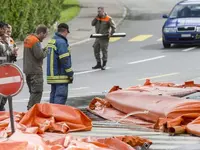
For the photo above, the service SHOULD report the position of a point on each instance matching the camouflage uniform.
(102, 26)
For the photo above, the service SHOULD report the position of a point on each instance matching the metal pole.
(11, 114)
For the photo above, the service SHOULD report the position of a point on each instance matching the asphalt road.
(132, 59)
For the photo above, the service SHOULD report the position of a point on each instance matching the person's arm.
(112, 25)
(94, 21)
(65, 59)
(1, 48)
(38, 52)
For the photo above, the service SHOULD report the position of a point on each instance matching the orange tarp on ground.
(25, 141)
(150, 108)
(33, 141)
(54, 117)
(169, 89)
(48, 117)
(33, 131)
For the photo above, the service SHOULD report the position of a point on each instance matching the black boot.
(104, 65)
(97, 66)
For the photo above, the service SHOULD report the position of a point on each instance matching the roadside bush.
(25, 15)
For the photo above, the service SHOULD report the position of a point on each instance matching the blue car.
(183, 24)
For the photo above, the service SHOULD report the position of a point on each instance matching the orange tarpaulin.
(169, 89)
(54, 117)
(161, 90)
(169, 84)
(48, 117)
(13, 145)
(151, 109)
(27, 141)
(34, 131)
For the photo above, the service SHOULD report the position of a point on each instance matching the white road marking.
(45, 99)
(27, 99)
(82, 72)
(145, 60)
(90, 71)
(8, 80)
(46, 92)
(72, 89)
(97, 92)
(79, 88)
(160, 76)
(159, 40)
(189, 49)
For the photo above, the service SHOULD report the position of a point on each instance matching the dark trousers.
(35, 85)
(59, 93)
(101, 45)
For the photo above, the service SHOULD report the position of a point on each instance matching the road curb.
(82, 101)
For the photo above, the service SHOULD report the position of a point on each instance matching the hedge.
(25, 15)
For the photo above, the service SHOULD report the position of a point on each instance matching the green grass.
(70, 10)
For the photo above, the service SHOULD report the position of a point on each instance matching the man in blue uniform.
(59, 71)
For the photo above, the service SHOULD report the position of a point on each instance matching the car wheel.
(166, 45)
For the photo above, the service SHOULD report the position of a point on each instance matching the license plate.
(185, 35)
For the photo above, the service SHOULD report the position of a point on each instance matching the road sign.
(11, 80)
(11, 83)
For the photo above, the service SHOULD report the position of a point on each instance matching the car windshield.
(185, 11)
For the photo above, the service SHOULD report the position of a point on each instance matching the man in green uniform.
(33, 64)
(103, 24)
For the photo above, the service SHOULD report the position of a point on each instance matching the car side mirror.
(165, 16)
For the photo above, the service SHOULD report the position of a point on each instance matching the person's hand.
(13, 58)
(109, 35)
(45, 48)
(71, 79)
(97, 16)
(15, 51)
(71, 76)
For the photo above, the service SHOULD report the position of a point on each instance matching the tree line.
(25, 15)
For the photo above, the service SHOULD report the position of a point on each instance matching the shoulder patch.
(11, 41)
(39, 44)
(30, 41)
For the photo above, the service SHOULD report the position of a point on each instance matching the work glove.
(71, 76)
(13, 58)
(71, 79)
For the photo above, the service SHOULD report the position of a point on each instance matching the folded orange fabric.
(155, 105)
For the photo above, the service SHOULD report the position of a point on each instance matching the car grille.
(186, 29)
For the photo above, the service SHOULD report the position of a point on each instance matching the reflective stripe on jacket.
(58, 60)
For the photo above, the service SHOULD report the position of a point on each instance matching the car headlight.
(169, 30)
(198, 29)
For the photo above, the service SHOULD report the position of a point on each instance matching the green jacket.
(33, 55)
(104, 24)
